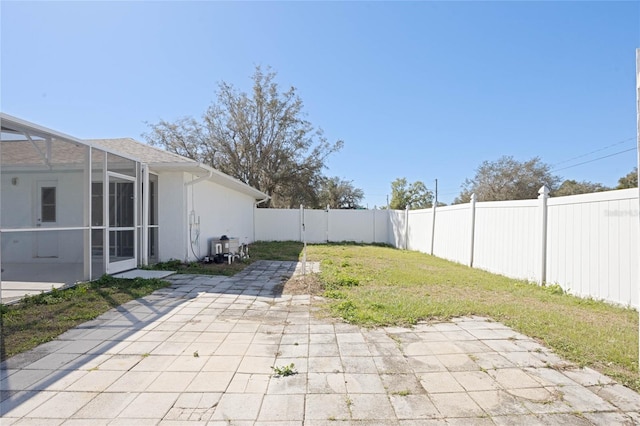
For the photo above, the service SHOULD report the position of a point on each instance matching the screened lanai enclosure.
(69, 210)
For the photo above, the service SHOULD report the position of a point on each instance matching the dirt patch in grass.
(303, 284)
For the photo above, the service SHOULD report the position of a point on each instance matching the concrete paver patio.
(201, 352)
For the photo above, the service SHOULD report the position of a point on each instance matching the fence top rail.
(619, 194)
(507, 204)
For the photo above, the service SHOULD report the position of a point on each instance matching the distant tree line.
(263, 139)
(509, 179)
(500, 180)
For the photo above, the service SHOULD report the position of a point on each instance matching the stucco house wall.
(20, 212)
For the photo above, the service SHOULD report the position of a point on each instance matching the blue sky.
(422, 90)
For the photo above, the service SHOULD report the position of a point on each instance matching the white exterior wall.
(221, 211)
(506, 241)
(593, 245)
(22, 213)
(452, 239)
(172, 216)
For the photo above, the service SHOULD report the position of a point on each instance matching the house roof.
(143, 152)
(30, 146)
(161, 160)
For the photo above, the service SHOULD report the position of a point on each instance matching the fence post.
(328, 215)
(472, 205)
(544, 195)
(406, 228)
(301, 221)
(433, 229)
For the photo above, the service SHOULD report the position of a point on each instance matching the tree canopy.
(415, 195)
(630, 180)
(508, 179)
(340, 194)
(262, 139)
(572, 187)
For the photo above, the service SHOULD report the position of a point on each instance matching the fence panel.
(397, 228)
(452, 239)
(315, 225)
(419, 238)
(352, 225)
(593, 245)
(277, 224)
(506, 241)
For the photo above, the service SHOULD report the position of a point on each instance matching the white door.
(46, 242)
(121, 224)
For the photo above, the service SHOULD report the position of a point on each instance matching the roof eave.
(215, 176)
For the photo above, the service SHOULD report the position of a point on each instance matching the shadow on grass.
(61, 318)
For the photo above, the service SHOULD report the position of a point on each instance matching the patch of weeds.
(348, 401)
(334, 294)
(196, 354)
(146, 354)
(404, 392)
(347, 281)
(169, 265)
(285, 370)
(347, 310)
(554, 289)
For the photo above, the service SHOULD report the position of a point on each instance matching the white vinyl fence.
(587, 244)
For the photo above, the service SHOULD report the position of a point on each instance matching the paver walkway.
(201, 352)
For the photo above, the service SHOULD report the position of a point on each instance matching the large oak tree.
(508, 179)
(262, 138)
(414, 195)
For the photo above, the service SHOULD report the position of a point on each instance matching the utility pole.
(436, 202)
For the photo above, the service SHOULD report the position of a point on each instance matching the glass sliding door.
(121, 229)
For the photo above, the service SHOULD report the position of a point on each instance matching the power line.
(593, 152)
(595, 159)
